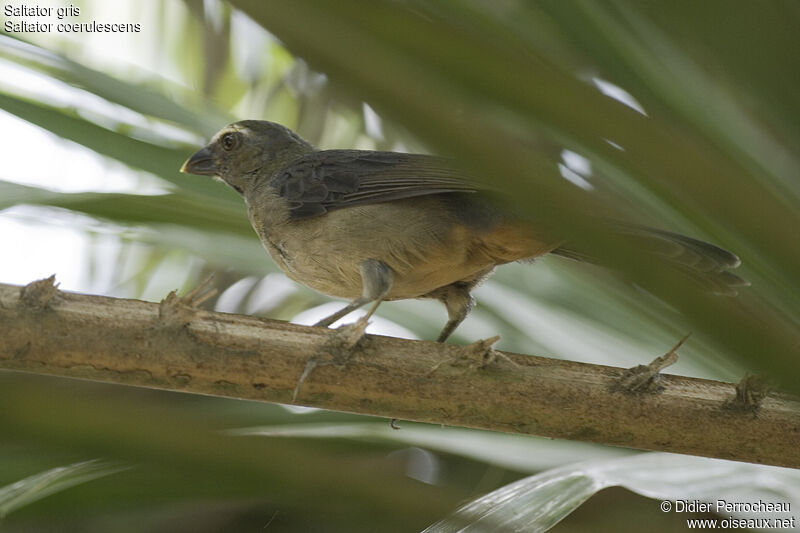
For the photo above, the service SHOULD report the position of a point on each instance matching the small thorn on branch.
(480, 354)
(38, 295)
(177, 311)
(645, 378)
(485, 354)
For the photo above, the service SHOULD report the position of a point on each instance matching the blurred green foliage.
(506, 87)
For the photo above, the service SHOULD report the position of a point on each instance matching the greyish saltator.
(371, 226)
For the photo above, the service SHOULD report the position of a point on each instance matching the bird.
(371, 226)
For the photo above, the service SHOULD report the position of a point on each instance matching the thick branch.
(171, 346)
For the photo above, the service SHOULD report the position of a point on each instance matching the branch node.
(176, 312)
(39, 295)
(646, 378)
(750, 393)
(484, 353)
(478, 355)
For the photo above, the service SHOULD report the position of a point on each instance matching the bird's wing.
(331, 179)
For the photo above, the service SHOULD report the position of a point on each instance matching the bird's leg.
(376, 280)
(458, 302)
(352, 306)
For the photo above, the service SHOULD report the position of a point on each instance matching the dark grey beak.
(201, 163)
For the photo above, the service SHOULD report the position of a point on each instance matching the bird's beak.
(201, 163)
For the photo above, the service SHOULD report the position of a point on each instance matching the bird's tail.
(703, 262)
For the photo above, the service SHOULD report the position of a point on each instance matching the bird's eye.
(229, 141)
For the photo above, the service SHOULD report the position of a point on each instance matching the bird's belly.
(338, 273)
(423, 250)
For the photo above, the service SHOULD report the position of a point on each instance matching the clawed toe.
(337, 349)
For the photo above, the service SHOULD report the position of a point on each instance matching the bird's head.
(244, 153)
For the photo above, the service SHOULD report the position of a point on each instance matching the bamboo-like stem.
(176, 347)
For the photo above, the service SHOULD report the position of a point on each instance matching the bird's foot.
(345, 338)
(337, 350)
(646, 378)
